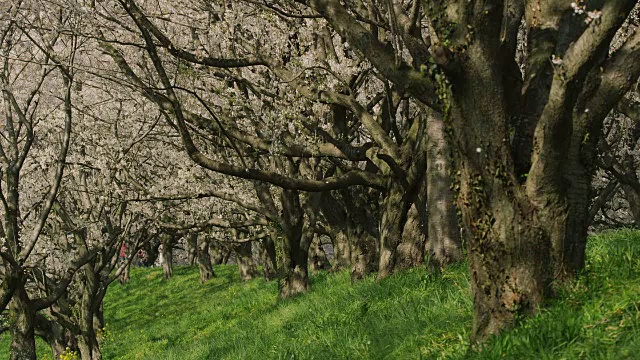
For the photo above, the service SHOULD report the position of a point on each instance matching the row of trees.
(405, 133)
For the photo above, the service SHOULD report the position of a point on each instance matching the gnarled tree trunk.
(204, 260)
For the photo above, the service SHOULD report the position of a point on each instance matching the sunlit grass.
(409, 316)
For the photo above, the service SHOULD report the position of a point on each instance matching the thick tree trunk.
(443, 232)
(22, 317)
(293, 255)
(294, 271)
(341, 250)
(414, 237)
(394, 211)
(167, 261)
(246, 266)
(98, 316)
(219, 253)
(364, 253)
(88, 340)
(204, 261)
(268, 259)
(509, 246)
(317, 256)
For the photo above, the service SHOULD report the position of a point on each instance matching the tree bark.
(192, 248)
(90, 301)
(395, 252)
(22, 317)
(53, 333)
(633, 198)
(204, 260)
(126, 275)
(443, 232)
(57, 340)
(152, 250)
(317, 256)
(88, 340)
(268, 258)
(167, 260)
(364, 253)
(219, 253)
(341, 250)
(414, 236)
(293, 256)
(399, 249)
(244, 257)
(509, 250)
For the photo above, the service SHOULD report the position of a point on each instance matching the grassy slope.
(411, 315)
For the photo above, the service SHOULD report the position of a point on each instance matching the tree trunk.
(57, 339)
(125, 276)
(192, 248)
(509, 246)
(268, 258)
(443, 232)
(219, 253)
(398, 252)
(52, 332)
(414, 237)
(364, 253)
(317, 256)
(294, 271)
(88, 340)
(394, 212)
(633, 198)
(89, 322)
(167, 260)
(152, 250)
(204, 261)
(246, 265)
(292, 254)
(341, 250)
(22, 317)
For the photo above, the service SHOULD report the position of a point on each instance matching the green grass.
(409, 316)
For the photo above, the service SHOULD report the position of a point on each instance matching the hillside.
(409, 316)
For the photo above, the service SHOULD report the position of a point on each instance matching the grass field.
(409, 316)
